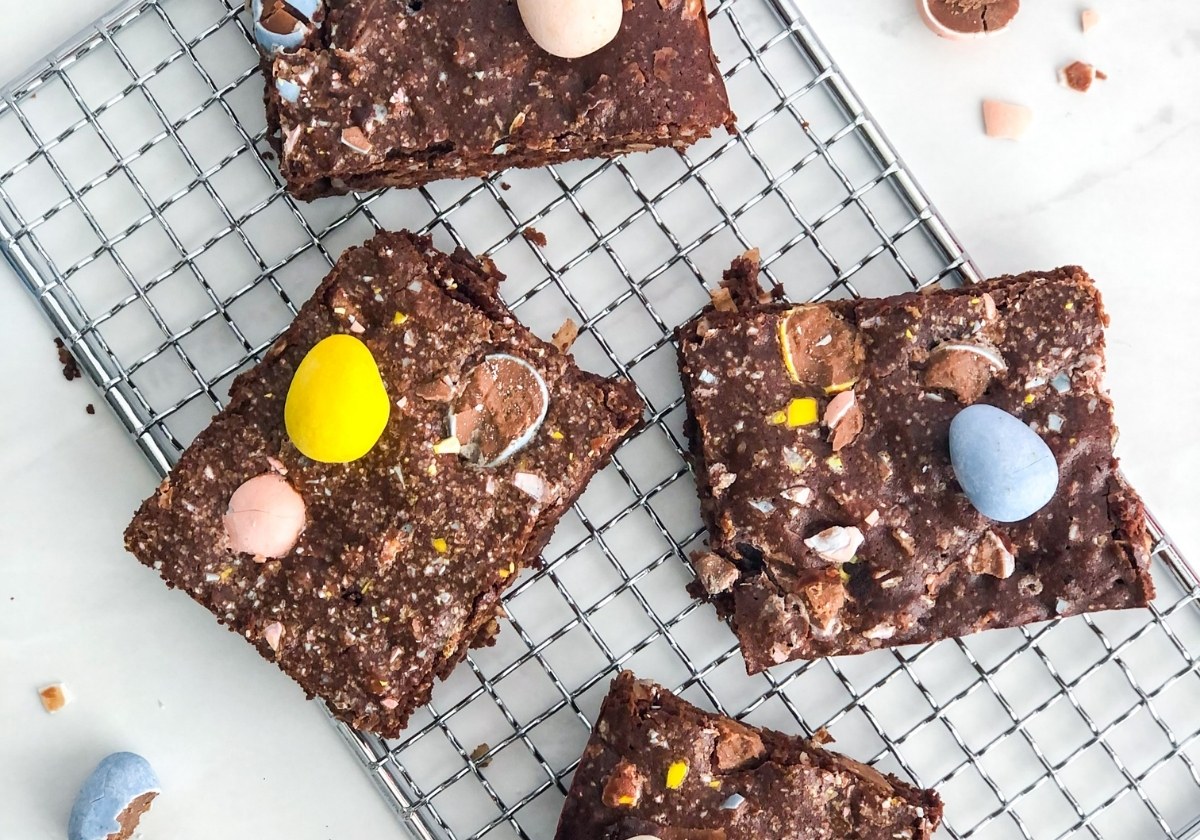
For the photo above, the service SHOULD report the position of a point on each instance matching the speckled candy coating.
(741, 783)
(117, 781)
(1003, 467)
(407, 550)
(785, 506)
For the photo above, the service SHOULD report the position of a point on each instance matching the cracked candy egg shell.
(113, 798)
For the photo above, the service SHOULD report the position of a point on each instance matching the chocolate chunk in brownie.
(378, 94)
(820, 443)
(404, 553)
(658, 766)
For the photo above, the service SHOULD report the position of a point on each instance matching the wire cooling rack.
(141, 209)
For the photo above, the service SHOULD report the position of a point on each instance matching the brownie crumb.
(1079, 75)
(70, 366)
(267, 155)
(565, 335)
(504, 185)
(478, 753)
(91, 409)
(534, 237)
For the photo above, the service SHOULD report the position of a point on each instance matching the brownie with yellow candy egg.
(658, 767)
(380, 478)
(898, 471)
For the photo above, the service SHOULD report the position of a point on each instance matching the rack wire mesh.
(140, 207)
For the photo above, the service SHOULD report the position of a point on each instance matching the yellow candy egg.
(337, 406)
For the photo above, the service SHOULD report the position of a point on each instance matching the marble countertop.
(1109, 180)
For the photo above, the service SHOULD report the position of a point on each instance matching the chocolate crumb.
(504, 185)
(1079, 75)
(534, 236)
(478, 753)
(70, 366)
(91, 409)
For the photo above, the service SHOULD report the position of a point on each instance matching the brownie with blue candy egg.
(897, 471)
(379, 479)
(363, 94)
(658, 768)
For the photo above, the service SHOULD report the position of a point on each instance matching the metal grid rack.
(139, 207)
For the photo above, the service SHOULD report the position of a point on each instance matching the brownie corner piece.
(403, 553)
(820, 441)
(364, 97)
(658, 766)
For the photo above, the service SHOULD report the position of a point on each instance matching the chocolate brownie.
(657, 766)
(405, 552)
(839, 540)
(383, 93)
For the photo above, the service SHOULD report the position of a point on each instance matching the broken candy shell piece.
(53, 697)
(820, 349)
(501, 404)
(282, 26)
(337, 406)
(1005, 120)
(265, 516)
(964, 20)
(836, 544)
(571, 28)
(113, 798)
(963, 368)
(990, 556)
(288, 91)
(1006, 471)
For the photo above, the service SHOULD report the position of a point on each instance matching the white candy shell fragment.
(571, 28)
(836, 544)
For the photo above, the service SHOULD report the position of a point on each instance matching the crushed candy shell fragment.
(501, 404)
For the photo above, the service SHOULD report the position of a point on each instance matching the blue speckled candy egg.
(1006, 470)
(113, 786)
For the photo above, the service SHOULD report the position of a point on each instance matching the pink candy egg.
(265, 517)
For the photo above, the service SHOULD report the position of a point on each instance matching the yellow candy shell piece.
(337, 406)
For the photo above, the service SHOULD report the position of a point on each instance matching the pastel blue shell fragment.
(1007, 471)
(289, 91)
(275, 42)
(117, 780)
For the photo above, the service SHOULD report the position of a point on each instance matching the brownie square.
(407, 550)
(388, 94)
(835, 541)
(657, 766)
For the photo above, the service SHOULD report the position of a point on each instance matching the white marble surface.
(1110, 180)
